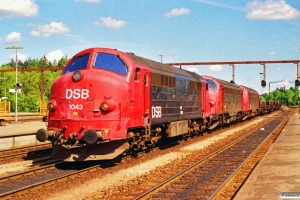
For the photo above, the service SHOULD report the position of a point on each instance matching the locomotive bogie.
(178, 128)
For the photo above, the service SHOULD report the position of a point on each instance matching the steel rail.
(7, 152)
(218, 192)
(27, 173)
(30, 155)
(38, 184)
(178, 175)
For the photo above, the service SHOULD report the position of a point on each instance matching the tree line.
(34, 82)
(288, 97)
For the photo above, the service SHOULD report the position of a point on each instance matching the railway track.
(25, 153)
(18, 185)
(26, 184)
(217, 176)
(134, 187)
(234, 182)
(37, 182)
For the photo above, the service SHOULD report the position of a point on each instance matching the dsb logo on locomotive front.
(77, 93)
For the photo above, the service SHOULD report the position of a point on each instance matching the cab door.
(221, 100)
(206, 106)
(139, 105)
(147, 97)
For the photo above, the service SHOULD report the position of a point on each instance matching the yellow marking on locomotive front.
(75, 113)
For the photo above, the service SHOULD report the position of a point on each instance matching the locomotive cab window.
(146, 79)
(110, 62)
(211, 84)
(137, 75)
(78, 63)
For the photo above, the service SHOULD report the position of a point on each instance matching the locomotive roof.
(223, 82)
(229, 84)
(250, 89)
(160, 68)
(154, 66)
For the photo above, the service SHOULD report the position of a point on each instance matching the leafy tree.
(262, 98)
(30, 96)
(288, 97)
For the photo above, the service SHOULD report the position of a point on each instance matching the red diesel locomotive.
(230, 102)
(250, 102)
(107, 102)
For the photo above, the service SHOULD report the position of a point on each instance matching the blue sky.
(181, 30)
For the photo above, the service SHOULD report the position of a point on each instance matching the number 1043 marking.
(75, 106)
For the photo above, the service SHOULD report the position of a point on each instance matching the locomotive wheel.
(148, 148)
(133, 153)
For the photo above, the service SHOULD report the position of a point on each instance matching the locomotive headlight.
(104, 106)
(108, 106)
(77, 76)
(51, 105)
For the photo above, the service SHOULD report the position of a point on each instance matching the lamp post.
(16, 48)
(161, 56)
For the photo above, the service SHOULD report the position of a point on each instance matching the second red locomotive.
(107, 102)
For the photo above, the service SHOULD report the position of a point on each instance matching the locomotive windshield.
(110, 62)
(211, 84)
(244, 91)
(79, 62)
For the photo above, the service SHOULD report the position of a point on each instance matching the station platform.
(277, 175)
(29, 127)
(15, 135)
(27, 123)
(21, 116)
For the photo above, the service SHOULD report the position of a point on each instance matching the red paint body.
(206, 106)
(75, 113)
(231, 102)
(250, 100)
